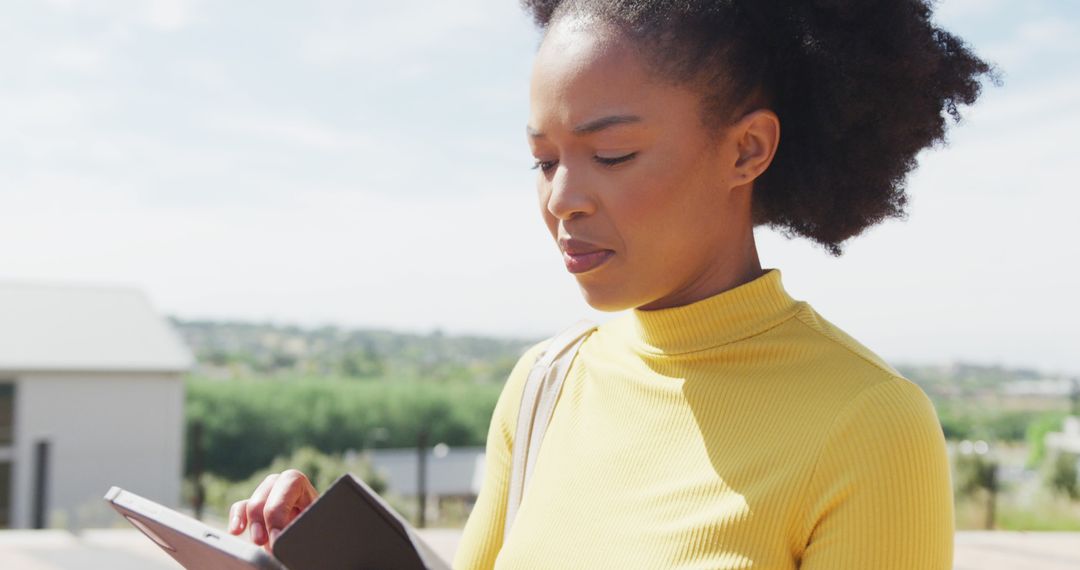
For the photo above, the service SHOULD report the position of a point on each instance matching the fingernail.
(258, 535)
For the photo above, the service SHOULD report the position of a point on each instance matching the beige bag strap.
(537, 404)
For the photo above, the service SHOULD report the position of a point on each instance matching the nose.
(567, 194)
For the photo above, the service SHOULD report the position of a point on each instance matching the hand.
(279, 499)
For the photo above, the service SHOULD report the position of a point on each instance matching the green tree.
(1036, 436)
(974, 472)
(247, 423)
(1062, 475)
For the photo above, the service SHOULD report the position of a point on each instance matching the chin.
(607, 299)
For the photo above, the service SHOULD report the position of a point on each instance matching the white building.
(1045, 388)
(452, 473)
(91, 395)
(1066, 440)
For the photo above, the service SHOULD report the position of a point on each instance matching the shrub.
(247, 423)
(1061, 475)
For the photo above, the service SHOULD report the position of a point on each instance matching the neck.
(734, 267)
(726, 317)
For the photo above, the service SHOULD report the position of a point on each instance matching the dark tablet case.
(350, 528)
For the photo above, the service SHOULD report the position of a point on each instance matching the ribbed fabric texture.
(740, 431)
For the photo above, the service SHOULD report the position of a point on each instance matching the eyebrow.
(593, 125)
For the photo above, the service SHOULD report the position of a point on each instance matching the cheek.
(651, 208)
(666, 215)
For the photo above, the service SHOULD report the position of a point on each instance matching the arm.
(483, 534)
(881, 494)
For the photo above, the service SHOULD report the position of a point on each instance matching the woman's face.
(626, 167)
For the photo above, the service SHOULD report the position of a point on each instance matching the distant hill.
(231, 349)
(984, 383)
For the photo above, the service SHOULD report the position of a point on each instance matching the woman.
(719, 423)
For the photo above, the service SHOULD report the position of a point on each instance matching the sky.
(364, 164)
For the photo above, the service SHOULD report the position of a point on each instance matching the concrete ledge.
(127, 549)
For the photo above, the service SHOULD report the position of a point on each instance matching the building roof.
(59, 327)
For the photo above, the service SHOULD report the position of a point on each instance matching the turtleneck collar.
(723, 318)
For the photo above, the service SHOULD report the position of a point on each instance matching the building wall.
(104, 429)
(453, 473)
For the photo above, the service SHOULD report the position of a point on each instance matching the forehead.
(583, 69)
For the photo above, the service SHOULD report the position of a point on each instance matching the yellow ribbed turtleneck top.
(739, 431)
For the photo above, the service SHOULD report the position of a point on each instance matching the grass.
(1045, 512)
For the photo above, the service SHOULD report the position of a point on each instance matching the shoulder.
(845, 344)
(853, 387)
(839, 364)
(871, 399)
(880, 476)
(515, 382)
(509, 402)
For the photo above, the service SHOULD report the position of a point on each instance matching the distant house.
(456, 473)
(1068, 439)
(91, 395)
(1046, 388)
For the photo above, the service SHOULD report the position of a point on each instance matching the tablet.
(195, 545)
(349, 527)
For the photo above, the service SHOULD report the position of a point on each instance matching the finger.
(274, 532)
(291, 494)
(256, 524)
(238, 517)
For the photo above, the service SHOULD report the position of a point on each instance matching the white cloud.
(956, 9)
(81, 58)
(388, 33)
(294, 131)
(168, 15)
(63, 4)
(1036, 38)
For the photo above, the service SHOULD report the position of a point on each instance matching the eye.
(544, 165)
(612, 161)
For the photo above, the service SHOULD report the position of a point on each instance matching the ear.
(756, 136)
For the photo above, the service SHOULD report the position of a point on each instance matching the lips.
(581, 256)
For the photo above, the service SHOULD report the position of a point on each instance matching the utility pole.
(199, 500)
(421, 474)
(41, 484)
(1075, 396)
